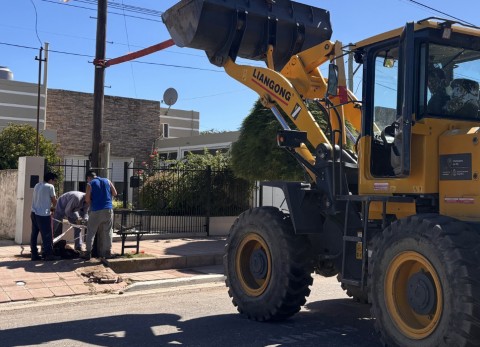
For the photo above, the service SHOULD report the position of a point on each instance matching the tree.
(19, 140)
(256, 155)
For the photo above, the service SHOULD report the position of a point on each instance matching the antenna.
(170, 97)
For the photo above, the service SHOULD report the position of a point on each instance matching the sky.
(223, 103)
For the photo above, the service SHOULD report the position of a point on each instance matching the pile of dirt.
(100, 274)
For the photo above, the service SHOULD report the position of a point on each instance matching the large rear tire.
(268, 268)
(424, 283)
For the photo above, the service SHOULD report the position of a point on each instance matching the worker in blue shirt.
(99, 195)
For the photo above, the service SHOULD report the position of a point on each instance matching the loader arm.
(301, 79)
(294, 40)
(274, 88)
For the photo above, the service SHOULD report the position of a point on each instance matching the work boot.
(86, 255)
(36, 257)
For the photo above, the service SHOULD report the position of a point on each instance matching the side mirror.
(332, 85)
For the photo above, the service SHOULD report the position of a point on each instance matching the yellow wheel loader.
(397, 217)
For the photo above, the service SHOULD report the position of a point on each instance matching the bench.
(131, 224)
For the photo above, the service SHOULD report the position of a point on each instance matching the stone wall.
(130, 125)
(8, 203)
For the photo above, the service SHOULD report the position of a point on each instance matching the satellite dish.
(170, 96)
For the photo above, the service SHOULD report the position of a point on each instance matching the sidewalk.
(162, 261)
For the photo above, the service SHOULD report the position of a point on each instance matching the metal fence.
(167, 200)
(177, 200)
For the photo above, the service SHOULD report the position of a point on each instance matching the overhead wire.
(36, 22)
(91, 56)
(93, 9)
(128, 45)
(438, 11)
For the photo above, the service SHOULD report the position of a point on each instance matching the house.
(133, 127)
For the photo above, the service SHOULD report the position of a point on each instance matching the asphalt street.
(198, 315)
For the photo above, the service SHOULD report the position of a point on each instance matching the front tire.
(268, 268)
(424, 281)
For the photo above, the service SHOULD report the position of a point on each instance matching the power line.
(91, 56)
(92, 9)
(438, 11)
(177, 66)
(128, 8)
(36, 22)
(128, 43)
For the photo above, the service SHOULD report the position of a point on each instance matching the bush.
(198, 185)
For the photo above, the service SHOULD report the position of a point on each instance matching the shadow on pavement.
(326, 323)
(64, 265)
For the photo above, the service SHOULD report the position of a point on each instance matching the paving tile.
(80, 289)
(41, 293)
(13, 288)
(5, 282)
(4, 297)
(76, 281)
(52, 282)
(45, 275)
(19, 295)
(62, 291)
(35, 284)
(66, 275)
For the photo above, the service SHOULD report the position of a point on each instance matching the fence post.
(209, 198)
(125, 184)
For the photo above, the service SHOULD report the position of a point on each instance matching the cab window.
(450, 80)
(385, 110)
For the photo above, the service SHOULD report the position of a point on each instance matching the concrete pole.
(40, 60)
(350, 69)
(99, 83)
(45, 82)
(104, 161)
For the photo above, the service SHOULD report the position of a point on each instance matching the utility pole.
(350, 68)
(40, 60)
(98, 92)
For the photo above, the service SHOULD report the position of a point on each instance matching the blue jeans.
(42, 224)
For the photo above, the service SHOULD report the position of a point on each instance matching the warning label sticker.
(456, 167)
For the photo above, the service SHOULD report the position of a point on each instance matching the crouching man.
(73, 206)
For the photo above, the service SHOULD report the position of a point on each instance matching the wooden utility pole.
(99, 85)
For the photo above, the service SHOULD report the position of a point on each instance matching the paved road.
(199, 315)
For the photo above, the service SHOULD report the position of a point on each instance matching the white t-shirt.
(42, 198)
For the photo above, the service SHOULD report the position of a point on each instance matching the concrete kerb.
(199, 279)
(121, 265)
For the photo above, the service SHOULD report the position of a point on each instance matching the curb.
(200, 279)
(121, 265)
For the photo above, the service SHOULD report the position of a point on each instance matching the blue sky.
(221, 101)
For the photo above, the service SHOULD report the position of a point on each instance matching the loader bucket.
(245, 28)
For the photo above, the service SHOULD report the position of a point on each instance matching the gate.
(167, 200)
(183, 200)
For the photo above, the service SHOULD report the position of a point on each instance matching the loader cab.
(414, 80)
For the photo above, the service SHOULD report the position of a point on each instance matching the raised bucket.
(245, 28)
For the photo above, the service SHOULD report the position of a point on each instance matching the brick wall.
(130, 125)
